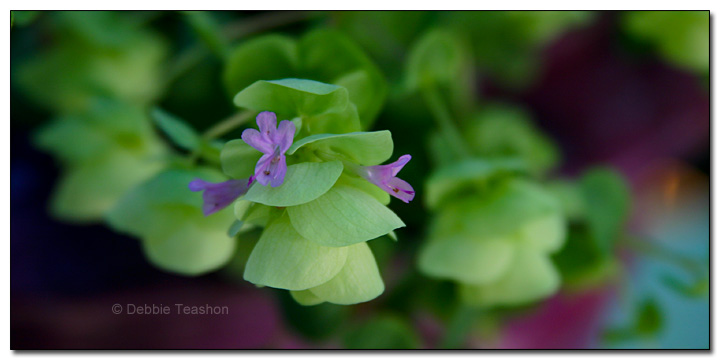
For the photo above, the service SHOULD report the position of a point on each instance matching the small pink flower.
(273, 141)
(384, 177)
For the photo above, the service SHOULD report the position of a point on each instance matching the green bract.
(168, 219)
(497, 243)
(322, 55)
(104, 151)
(323, 108)
(501, 130)
(304, 182)
(364, 148)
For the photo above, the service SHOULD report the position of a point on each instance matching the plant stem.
(442, 116)
(228, 124)
(460, 325)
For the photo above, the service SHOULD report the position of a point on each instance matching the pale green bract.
(273, 56)
(285, 259)
(323, 108)
(167, 218)
(348, 216)
(363, 148)
(105, 151)
(497, 243)
(304, 182)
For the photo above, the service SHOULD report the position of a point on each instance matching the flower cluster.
(319, 198)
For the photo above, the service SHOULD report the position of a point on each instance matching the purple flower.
(219, 195)
(273, 143)
(384, 177)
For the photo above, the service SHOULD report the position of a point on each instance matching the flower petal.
(278, 172)
(285, 134)
(262, 169)
(399, 164)
(401, 189)
(267, 123)
(217, 196)
(253, 138)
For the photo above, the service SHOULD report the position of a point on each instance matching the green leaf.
(607, 204)
(176, 129)
(452, 180)
(290, 98)
(530, 277)
(238, 159)
(284, 259)
(343, 216)
(466, 259)
(364, 148)
(382, 332)
(358, 281)
(267, 57)
(304, 182)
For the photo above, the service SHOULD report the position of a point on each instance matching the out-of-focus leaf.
(466, 259)
(167, 217)
(238, 159)
(581, 264)
(349, 68)
(507, 131)
(129, 69)
(176, 129)
(449, 181)
(343, 216)
(22, 18)
(695, 289)
(271, 57)
(530, 277)
(382, 332)
(304, 182)
(267, 57)
(683, 37)
(607, 203)
(439, 57)
(648, 319)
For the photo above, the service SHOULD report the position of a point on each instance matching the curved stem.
(442, 116)
(228, 124)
